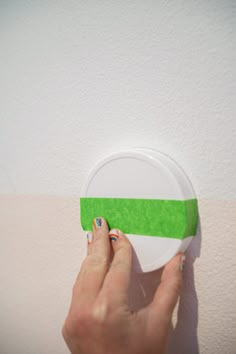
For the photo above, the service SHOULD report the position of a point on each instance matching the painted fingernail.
(89, 237)
(182, 262)
(98, 223)
(114, 235)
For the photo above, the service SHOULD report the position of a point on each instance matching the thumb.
(167, 294)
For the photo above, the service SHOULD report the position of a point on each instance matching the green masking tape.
(150, 217)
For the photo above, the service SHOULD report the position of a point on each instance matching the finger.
(167, 294)
(117, 279)
(95, 265)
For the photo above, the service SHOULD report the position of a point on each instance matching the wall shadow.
(183, 336)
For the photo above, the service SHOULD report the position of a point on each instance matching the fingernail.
(98, 223)
(182, 262)
(114, 235)
(89, 237)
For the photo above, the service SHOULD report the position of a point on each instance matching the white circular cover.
(147, 174)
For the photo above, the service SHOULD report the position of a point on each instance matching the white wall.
(82, 79)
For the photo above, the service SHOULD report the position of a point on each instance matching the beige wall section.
(42, 246)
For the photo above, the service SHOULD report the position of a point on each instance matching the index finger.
(95, 265)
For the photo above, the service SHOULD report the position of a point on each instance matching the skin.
(99, 320)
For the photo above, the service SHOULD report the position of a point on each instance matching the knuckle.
(99, 313)
(68, 329)
(85, 262)
(179, 284)
(176, 284)
(85, 318)
(122, 258)
(120, 265)
(77, 323)
(124, 252)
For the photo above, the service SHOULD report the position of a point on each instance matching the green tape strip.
(150, 217)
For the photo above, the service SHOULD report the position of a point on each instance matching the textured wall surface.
(80, 80)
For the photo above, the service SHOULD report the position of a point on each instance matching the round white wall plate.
(141, 173)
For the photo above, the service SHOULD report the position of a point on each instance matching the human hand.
(99, 320)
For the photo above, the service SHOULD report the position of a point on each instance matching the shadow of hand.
(183, 338)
